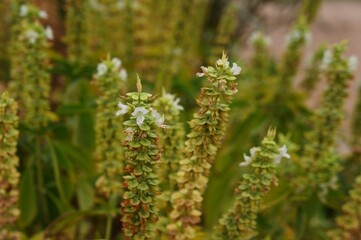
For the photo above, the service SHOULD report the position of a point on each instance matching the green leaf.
(85, 195)
(27, 200)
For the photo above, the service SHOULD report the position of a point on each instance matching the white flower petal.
(49, 33)
(352, 63)
(235, 69)
(200, 74)
(23, 10)
(123, 75)
(101, 69)
(43, 14)
(140, 120)
(117, 62)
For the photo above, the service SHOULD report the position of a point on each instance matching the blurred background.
(166, 42)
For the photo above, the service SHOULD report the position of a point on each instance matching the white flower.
(352, 63)
(129, 134)
(248, 159)
(235, 69)
(282, 153)
(117, 62)
(204, 71)
(43, 14)
(49, 33)
(176, 105)
(139, 113)
(123, 75)
(159, 120)
(23, 10)
(222, 62)
(31, 35)
(102, 69)
(120, 4)
(326, 60)
(123, 109)
(198, 74)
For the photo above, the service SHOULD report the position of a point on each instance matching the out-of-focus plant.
(172, 140)
(9, 175)
(349, 223)
(320, 164)
(207, 132)
(240, 221)
(29, 66)
(111, 78)
(315, 68)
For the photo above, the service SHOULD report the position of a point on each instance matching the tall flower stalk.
(29, 66)
(9, 176)
(172, 140)
(142, 156)
(349, 223)
(240, 221)
(111, 78)
(320, 164)
(207, 132)
(77, 30)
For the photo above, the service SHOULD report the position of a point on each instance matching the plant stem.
(108, 230)
(40, 180)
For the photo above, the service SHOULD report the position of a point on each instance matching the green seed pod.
(111, 79)
(349, 224)
(172, 140)
(207, 131)
(29, 66)
(240, 221)
(9, 176)
(142, 155)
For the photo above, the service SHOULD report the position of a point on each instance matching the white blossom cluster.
(140, 113)
(115, 65)
(34, 34)
(223, 62)
(277, 157)
(297, 35)
(257, 35)
(327, 57)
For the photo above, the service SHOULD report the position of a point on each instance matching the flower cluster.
(9, 176)
(29, 66)
(349, 224)
(207, 131)
(320, 165)
(142, 155)
(110, 78)
(240, 221)
(172, 141)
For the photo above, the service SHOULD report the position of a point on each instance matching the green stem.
(57, 174)
(40, 180)
(109, 227)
